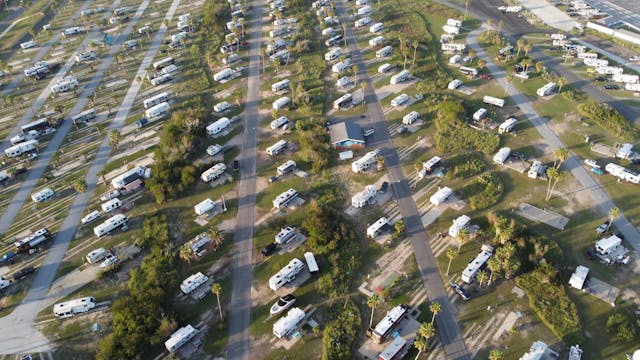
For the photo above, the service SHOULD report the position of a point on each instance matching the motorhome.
(377, 41)
(158, 65)
(377, 227)
(587, 55)
(130, 44)
(204, 206)
(218, 126)
(70, 31)
(90, 217)
(440, 196)
(193, 282)
(395, 350)
(454, 84)
(625, 151)
(176, 38)
(287, 324)
(74, 307)
(121, 11)
(608, 245)
(460, 223)
(365, 162)
(376, 28)
(507, 125)
(410, 118)
(625, 78)
(400, 77)
(214, 150)
(312, 265)
(362, 22)
(162, 79)
(535, 169)
(284, 198)
(286, 274)
(333, 54)
(546, 90)
(31, 135)
(66, 84)
(477, 264)
(388, 324)
(343, 82)
(180, 337)
(622, 173)
(213, 172)
(384, 52)
(501, 156)
(231, 59)
(493, 101)
(223, 74)
(285, 235)
(384, 68)
(28, 45)
(429, 165)
(96, 255)
(144, 30)
(128, 177)
(451, 29)
(399, 100)
(454, 22)
(281, 103)
(480, 114)
(86, 56)
(21, 148)
(158, 111)
(156, 99)
(455, 59)
(341, 66)
(334, 40)
(32, 240)
(609, 70)
(281, 85)
(84, 116)
(280, 56)
(42, 195)
(277, 148)
(361, 199)
(111, 205)
(596, 62)
(453, 47)
(287, 167)
(365, 10)
(110, 224)
(278, 32)
(280, 121)
(41, 67)
(343, 101)
(471, 72)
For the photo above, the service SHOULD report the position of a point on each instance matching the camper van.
(285, 235)
(277, 148)
(501, 156)
(376, 28)
(507, 125)
(284, 198)
(281, 103)
(193, 282)
(362, 22)
(343, 101)
(279, 122)
(180, 337)
(218, 126)
(377, 41)
(384, 52)
(96, 255)
(384, 68)
(286, 168)
(42, 195)
(365, 10)
(111, 205)
(400, 100)
(480, 114)
(454, 84)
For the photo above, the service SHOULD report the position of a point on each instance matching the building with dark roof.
(346, 136)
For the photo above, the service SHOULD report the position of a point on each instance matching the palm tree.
(421, 344)
(355, 70)
(263, 55)
(490, 23)
(500, 25)
(415, 45)
(562, 155)
(554, 176)
(426, 331)
(520, 44)
(216, 288)
(373, 301)
(451, 254)
(495, 266)
(80, 185)
(482, 63)
(185, 253)
(102, 174)
(614, 212)
(539, 66)
(462, 237)
(435, 309)
(363, 86)
(466, 8)
(114, 138)
(495, 354)
(482, 277)
(527, 48)
(472, 54)
(344, 33)
(527, 63)
(561, 81)
(216, 235)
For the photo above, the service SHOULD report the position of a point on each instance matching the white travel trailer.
(501, 156)
(384, 68)
(285, 235)
(218, 126)
(362, 198)
(588, 55)
(451, 29)
(156, 99)
(280, 55)
(460, 223)
(110, 224)
(281, 85)
(480, 114)
(632, 87)
(546, 90)
(65, 85)
(121, 11)
(179, 37)
(180, 337)
(74, 307)
(231, 59)
(471, 72)
(144, 30)
(624, 151)
(284, 198)
(277, 148)
(386, 326)
(400, 100)
(70, 31)
(578, 279)
(86, 56)
(328, 31)
(365, 10)
(625, 78)
(21, 148)
(311, 262)
(343, 81)
(341, 66)
(111, 205)
(361, 2)
(286, 274)
(193, 282)
(162, 79)
(454, 84)
(622, 173)
(287, 324)
(281, 103)
(596, 62)
(558, 36)
(130, 44)
(223, 74)
(454, 22)
(362, 22)
(333, 54)
(127, 177)
(608, 245)
(410, 118)
(365, 162)
(440, 196)
(478, 264)
(204, 206)
(377, 227)
(278, 122)
(507, 125)
(400, 77)
(286, 168)
(213, 172)
(534, 170)
(453, 47)
(377, 41)
(96, 255)
(157, 111)
(493, 101)
(376, 28)
(42, 195)
(384, 52)
(429, 165)
(221, 107)
(90, 217)
(455, 59)
(28, 45)
(158, 65)
(343, 101)
(609, 70)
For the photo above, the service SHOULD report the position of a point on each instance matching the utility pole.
(224, 205)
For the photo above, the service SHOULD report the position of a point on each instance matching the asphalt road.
(446, 323)
(601, 200)
(242, 277)
(23, 337)
(625, 10)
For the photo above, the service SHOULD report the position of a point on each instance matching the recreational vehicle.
(278, 122)
(454, 84)
(32, 240)
(377, 227)
(162, 79)
(96, 255)
(286, 274)
(384, 68)
(451, 29)
(281, 85)
(28, 45)
(74, 307)
(376, 28)
(111, 205)
(204, 206)
(534, 170)
(223, 74)
(110, 224)
(377, 41)
(158, 65)
(480, 114)
(410, 118)
(328, 31)
(400, 77)
(460, 223)
(285, 235)
(68, 83)
(287, 324)
(454, 22)
(440, 196)
(507, 125)
(384, 52)
(86, 56)
(595, 62)
(341, 66)
(501, 156)
(287, 167)
(180, 337)
(213, 172)
(42, 195)
(218, 126)
(362, 22)
(365, 162)
(128, 177)
(193, 282)
(453, 47)
(493, 101)
(213, 150)
(312, 265)
(343, 101)
(156, 99)
(477, 264)
(333, 54)
(84, 116)
(365, 10)
(70, 31)
(362, 198)
(21, 148)
(546, 90)
(284, 198)
(281, 103)
(622, 173)
(157, 111)
(277, 148)
(455, 59)
(90, 217)
(388, 324)
(399, 100)
(471, 72)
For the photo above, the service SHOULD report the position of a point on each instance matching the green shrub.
(340, 334)
(465, 165)
(609, 119)
(453, 134)
(621, 326)
(484, 191)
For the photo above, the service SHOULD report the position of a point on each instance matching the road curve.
(240, 306)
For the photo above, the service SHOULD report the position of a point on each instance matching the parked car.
(591, 253)
(236, 165)
(384, 187)
(368, 131)
(402, 129)
(597, 171)
(109, 260)
(269, 249)
(486, 77)
(611, 87)
(23, 272)
(282, 304)
(602, 228)
(634, 58)
(600, 78)
(8, 257)
(460, 291)
(273, 179)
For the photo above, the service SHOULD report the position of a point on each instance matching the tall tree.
(482, 277)
(185, 253)
(435, 308)
(554, 176)
(527, 48)
(462, 237)
(427, 331)
(373, 301)
(466, 8)
(540, 66)
(561, 154)
(451, 254)
(80, 186)
(102, 174)
(561, 81)
(495, 266)
(614, 212)
(415, 44)
(421, 344)
(520, 44)
(114, 138)
(216, 288)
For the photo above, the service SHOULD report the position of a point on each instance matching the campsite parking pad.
(545, 216)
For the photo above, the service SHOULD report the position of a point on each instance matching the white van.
(90, 217)
(96, 255)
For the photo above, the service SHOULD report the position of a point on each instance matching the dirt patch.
(565, 125)
(609, 46)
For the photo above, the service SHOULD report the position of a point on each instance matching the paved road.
(240, 306)
(601, 200)
(447, 325)
(23, 337)
(624, 10)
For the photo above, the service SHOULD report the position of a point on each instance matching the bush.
(609, 119)
(453, 134)
(339, 335)
(465, 165)
(484, 191)
(621, 327)
(551, 303)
